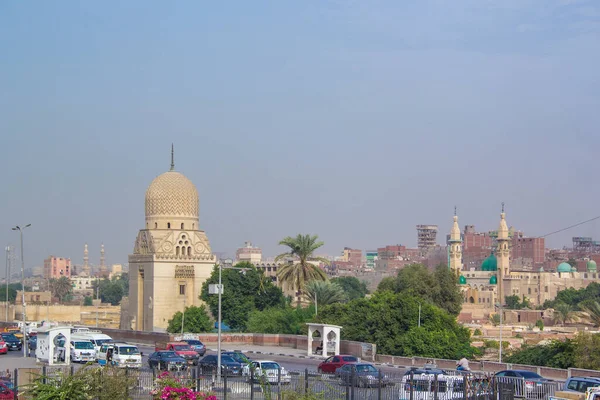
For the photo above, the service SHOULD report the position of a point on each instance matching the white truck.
(118, 354)
(592, 393)
(82, 350)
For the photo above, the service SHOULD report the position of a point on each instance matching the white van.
(82, 350)
(123, 355)
(96, 337)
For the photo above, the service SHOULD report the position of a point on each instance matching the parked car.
(166, 360)
(197, 346)
(181, 348)
(527, 384)
(32, 343)
(361, 375)
(329, 365)
(3, 347)
(237, 356)
(266, 371)
(11, 341)
(581, 384)
(6, 393)
(208, 364)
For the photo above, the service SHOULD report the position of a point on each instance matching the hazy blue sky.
(354, 120)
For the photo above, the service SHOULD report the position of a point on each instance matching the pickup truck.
(592, 393)
(181, 349)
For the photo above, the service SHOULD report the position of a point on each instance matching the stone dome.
(564, 267)
(171, 199)
(591, 266)
(490, 263)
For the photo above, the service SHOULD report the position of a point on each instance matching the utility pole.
(419, 315)
(97, 289)
(183, 315)
(24, 313)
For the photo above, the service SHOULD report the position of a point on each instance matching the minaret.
(502, 255)
(455, 248)
(102, 266)
(86, 260)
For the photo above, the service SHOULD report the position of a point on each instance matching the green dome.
(573, 269)
(564, 267)
(591, 266)
(490, 263)
(541, 269)
(493, 280)
(462, 280)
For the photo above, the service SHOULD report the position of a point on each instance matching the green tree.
(61, 287)
(390, 320)
(587, 351)
(282, 320)
(324, 293)
(299, 270)
(244, 290)
(196, 320)
(563, 313)
(353, 288)
(439, 287)
(12, 291)
(87, 301)
(387, 283)
(592, 308)
(495, 319)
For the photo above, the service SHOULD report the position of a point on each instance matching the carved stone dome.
(171, 198)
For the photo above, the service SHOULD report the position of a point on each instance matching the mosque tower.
(502, 255)
(86, 260)
(455, 248)
(102, 259)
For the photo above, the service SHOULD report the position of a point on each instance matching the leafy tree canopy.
(87, 301)
(514, 302)
(440, 286)
(353, 288)
(391, 321)
(243, 292)
(196, 320)
(557, 354)
(12, 291)
(574, 297)
(284, 320)
(112, 290)
(323, 293)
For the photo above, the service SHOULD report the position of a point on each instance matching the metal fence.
(404, 385)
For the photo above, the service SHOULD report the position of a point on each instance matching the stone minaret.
(455, 248)
(102, 264)
(502, 255)
(86, 260)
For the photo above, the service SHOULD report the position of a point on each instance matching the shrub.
(477, 332)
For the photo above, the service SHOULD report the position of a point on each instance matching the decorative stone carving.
(184, 271)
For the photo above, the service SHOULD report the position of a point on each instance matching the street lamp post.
(7, 278)
(183, 315)
(18, 228)
(499, 305)
(419, 315)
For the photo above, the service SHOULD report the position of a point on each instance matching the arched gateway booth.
(328, 336)
(53, 345)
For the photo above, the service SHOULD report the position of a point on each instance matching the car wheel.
(319, 370)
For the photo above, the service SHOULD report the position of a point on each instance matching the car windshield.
(167, 354)
(425, 371)
(529, 375)
(227, 359)
(365, 368)
(195, 342)
(9, 336)
(128, 350)
(350, 359)
(269, 365)
(100, 342)
(181, 347)
(84, 345)
(239, 357)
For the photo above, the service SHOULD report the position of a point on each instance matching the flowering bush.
(169, 387)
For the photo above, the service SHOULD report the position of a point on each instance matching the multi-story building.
(353, 256)
(56, 267)
(371, 258)
(34, 297)
(426, 236)
(83, 283)
(249, 253)
(529, 248)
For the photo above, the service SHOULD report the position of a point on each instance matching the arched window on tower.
(168, 225)
(177, 250)
(156, 225)
(193, 226)
(182, 225)
(189, 251)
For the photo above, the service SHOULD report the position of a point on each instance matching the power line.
(572, 226)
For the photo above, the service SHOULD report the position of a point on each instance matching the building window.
(182, 225)
(177, 250)
(189, 251)
(168, 225)
(585, 276)
(546, 289)
(182, 289)
(528, 290)
(156, 225)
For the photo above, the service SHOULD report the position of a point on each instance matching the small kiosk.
(53, 345)
(327, 335)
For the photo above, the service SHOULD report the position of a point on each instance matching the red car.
(334, 362)
(3, 347)
(6, 393)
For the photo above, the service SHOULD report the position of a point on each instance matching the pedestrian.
(462, 365)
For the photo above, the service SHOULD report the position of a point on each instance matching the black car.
(197, 346)
(237, 356)
(12, 342)
(228, 365)
(526, 383)
(361, 375)
(32, 343)
(166, 360)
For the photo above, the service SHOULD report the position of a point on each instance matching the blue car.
(197, 346)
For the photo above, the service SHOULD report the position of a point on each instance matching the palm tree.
(299, 270)
(592, 308)
(61, 287)
(324, 293)
(563, 313)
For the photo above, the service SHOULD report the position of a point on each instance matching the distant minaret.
(455, 248)
(86, 260)
(502, 255)
(102, 265)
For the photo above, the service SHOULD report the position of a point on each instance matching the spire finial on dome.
(455, 211)
(172, 157)
(502, 207)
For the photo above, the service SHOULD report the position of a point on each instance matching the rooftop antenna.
(172, 158)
